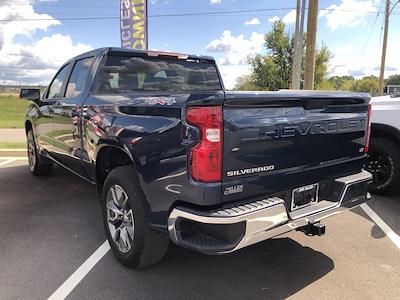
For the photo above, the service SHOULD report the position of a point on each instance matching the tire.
(124, 217)
(384, 164)
(38, 165)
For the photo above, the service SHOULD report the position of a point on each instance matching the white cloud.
(273, 19)
(290, 17)
(349, 13)
(8, 30)
(32, 61)
(38, 62)
(231, 73)
(253, 21)
(348, 61)
(154, 2)
(215, 1)
(237, 49)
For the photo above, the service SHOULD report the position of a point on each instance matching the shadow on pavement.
(48, 226)
(274, 269)
(388, 209)
(64, 224)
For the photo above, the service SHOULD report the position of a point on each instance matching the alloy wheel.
(120, 218)
(31, 152)
(380, 167)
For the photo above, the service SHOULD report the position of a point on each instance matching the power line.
(372, 28)
(394, 5)
(220, 12)
(174, 15)
(384, 19)
(55, 4)
(152, 16)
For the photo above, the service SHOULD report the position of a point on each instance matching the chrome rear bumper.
(231, 228)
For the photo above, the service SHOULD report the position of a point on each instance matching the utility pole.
(300, 52)
(309, 69)
(385, 37)
(296, 47)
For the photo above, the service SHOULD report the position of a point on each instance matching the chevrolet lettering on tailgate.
(316, 127)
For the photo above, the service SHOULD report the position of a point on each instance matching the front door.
(67, 127)
(45, 135)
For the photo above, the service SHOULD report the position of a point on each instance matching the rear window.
(127, 74)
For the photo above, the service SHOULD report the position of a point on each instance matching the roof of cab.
(106, 50)
(127, 50)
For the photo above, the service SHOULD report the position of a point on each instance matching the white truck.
(384, 151)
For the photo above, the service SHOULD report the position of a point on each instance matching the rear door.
(277, 141)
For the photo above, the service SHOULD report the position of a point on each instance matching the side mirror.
(30, 94)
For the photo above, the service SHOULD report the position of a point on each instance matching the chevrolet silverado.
(176, 157)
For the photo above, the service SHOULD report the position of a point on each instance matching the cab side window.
(56, 85)
(79, 77)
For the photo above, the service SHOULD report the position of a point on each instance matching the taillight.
(206, 156)
(368, 133)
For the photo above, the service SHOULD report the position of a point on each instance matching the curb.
(12, 152)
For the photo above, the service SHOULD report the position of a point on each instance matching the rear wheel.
(133, 241)
(383, 163)
(38, 165)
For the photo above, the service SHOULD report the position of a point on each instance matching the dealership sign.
(133, 24)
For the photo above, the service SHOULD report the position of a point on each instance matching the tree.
(321, 68)
(341, 82)
(326, 85)
(273, 70)
(368, 84)
(247, 83)
(393, 80)
(347, 85)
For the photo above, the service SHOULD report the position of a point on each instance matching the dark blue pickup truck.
(177, 158)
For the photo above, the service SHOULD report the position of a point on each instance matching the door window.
(56, 85)
(78, 77)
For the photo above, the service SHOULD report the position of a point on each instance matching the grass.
(12, 145)
(12, 111)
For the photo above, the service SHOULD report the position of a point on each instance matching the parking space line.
(67, 287)
(7, 161)
(13, 157)
(385, 228)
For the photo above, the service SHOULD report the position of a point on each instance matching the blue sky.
(350, 28)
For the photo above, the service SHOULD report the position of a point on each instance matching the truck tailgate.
(281, 140)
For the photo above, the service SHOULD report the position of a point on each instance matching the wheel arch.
(109, 157)
(385, 131)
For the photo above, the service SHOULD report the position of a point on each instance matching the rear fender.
(384, 130)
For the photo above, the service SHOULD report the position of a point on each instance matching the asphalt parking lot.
(50, 226)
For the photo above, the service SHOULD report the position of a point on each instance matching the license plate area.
(304, 196)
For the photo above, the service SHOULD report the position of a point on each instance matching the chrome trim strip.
(265, 218)
(362, 176)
